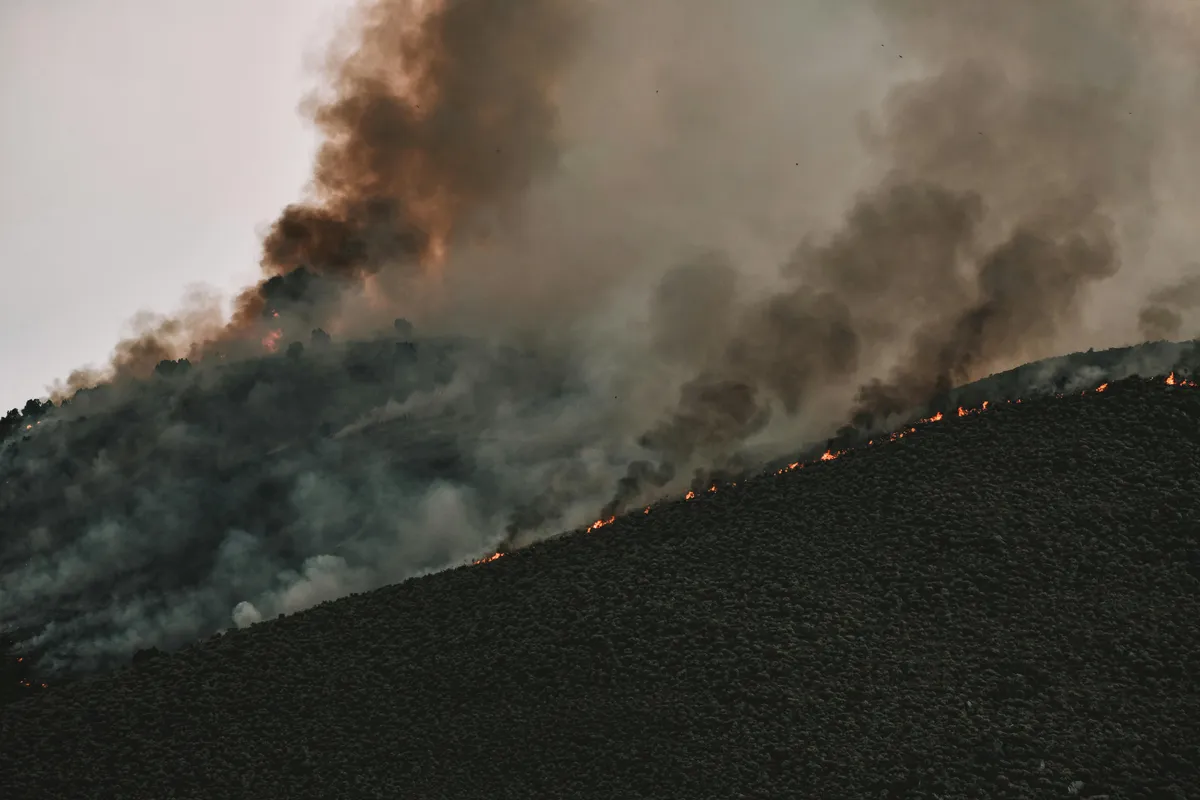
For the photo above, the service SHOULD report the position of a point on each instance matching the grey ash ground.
(1002, 605)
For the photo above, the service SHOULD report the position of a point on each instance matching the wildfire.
(600, 523)
(1173, 381)
(830, 455)
(271, 340)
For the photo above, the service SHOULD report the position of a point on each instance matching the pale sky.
(144, 144)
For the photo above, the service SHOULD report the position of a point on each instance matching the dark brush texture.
(1001, 605)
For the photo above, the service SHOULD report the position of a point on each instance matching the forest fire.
(1172, 381)
(271, 340)
(831, 455)
(600, 523)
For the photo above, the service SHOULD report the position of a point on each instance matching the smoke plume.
(640, 244)
(1012, 161)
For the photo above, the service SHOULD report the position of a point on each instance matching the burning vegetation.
(522, 178)
(951, 572)
(832, 455)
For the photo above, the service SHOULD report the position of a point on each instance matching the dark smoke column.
(443, 109)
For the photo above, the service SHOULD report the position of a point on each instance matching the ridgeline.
(1002, 604)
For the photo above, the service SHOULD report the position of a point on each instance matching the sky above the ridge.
(143, 147)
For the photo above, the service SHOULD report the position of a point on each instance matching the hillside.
(140, 515)
(1002, 604)
(156, 513)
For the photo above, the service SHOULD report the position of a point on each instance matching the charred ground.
(1002, 604)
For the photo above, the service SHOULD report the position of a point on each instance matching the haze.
(116, 113)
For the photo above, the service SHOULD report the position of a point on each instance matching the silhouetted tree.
(168, 368)
(10, 423)
(35, 408)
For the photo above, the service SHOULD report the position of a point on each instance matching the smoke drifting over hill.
(639, 241)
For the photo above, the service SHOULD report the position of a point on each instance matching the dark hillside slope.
(1000, 605)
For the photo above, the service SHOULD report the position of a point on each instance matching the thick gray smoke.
(1020, 168)
(1165, 312)
(643, 243)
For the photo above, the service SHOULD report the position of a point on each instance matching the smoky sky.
(642, 243)
(1011, 165)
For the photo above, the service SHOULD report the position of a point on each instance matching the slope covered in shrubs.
(1003, 604)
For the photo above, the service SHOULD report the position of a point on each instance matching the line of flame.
(830, 455)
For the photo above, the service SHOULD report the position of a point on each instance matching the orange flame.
(600, 523)
(830, 455)
(271, 340)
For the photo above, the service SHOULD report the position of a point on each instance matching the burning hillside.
(934, 616)
(645, 249)
(895, 436)
(242, 513)
(737, 293)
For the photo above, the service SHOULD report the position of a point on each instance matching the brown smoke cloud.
(436, 112)
(972, 184)
(439, 111)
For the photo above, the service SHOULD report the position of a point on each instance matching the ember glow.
(271, 340)
(600, 523)
(832, 455)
